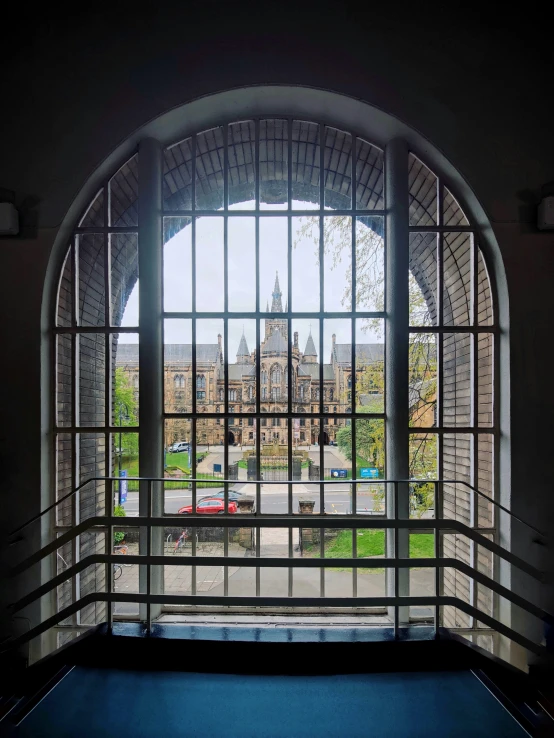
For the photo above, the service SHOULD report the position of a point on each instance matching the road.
(274, 498)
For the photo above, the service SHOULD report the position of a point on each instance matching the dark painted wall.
(477, 86)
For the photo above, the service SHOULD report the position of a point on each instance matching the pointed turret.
(243, 354)
(276, 303)
(310, 354)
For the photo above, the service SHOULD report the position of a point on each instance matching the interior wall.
(77, 87)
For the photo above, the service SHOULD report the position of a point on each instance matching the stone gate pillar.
(246, 535)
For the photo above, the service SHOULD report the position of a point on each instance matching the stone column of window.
(397, 338)
(150, 352)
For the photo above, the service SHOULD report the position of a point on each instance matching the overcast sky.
(242, 282)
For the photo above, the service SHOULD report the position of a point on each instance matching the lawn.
(175, 461)
(372, 543)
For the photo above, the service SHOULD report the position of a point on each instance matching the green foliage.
(125, 412)
(118, 536)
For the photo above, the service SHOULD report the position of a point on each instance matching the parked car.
(221, 495)
(179, 446)
(209, 506)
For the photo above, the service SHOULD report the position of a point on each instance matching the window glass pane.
(338, 169)
(178, 446)
(124, 278)
(337, 374)
(485, 389)
(273, 264)
(241, 371)
(370, 263)
(209, 169)
(92, 377)
(305, 366)
(305, 264)
(457, 265)
(485, 479)
(64, 380)
(452, 213)
(273, 164)
(92, 292)
(422, 186)
(305, 165)
(210, 358)
(94, 217)
(274, 352)
(242, 164)
(125, 397)
(92, 463)
(337, 272)
(177, 264)
(423, 279)
(457, 379)
(485, 310)
(123, 191)
(125, 463)
(423, 379)
(369, 176)
(241, 250)
(64, 477)
(177, 181)
(209, 265)
(65, 293)
(370, 447)
(457, 460)
(178, 381)
(370, 367)
(423, 462)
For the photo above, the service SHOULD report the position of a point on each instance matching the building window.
(451, 417)
(302, 422)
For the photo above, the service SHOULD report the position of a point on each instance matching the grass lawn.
(372, 543)
(130, 464)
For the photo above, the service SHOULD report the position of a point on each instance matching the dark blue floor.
(100, 703)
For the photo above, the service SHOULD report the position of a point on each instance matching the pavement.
(274, 542)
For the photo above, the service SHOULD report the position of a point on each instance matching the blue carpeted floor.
(100, 703)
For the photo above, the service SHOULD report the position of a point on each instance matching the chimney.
(296, 339)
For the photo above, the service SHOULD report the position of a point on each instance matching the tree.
(124, 401)
(368, 381)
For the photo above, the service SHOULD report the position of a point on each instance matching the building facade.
(209, 384)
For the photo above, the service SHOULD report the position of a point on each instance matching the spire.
(243, 354)
(310, 347)
(276, 304)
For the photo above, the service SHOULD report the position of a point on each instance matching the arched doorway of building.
(231, 438)
(323, 438)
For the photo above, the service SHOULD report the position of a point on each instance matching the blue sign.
(369, 473)
(123, 486)
(217, 468)
(339, 473)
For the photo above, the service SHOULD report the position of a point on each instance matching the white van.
(179, 446)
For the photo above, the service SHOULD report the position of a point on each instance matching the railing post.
(437, 539)
(109, 550)
(151, 429)
(396, 365)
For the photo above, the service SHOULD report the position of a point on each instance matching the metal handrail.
(469, 486)
(320, 520)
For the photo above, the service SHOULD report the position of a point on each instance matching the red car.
(210, 506)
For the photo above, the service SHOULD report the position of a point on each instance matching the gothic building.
(209, 384)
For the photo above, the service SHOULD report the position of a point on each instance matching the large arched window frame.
(109, 234)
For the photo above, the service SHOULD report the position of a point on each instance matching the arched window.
(446, 402)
